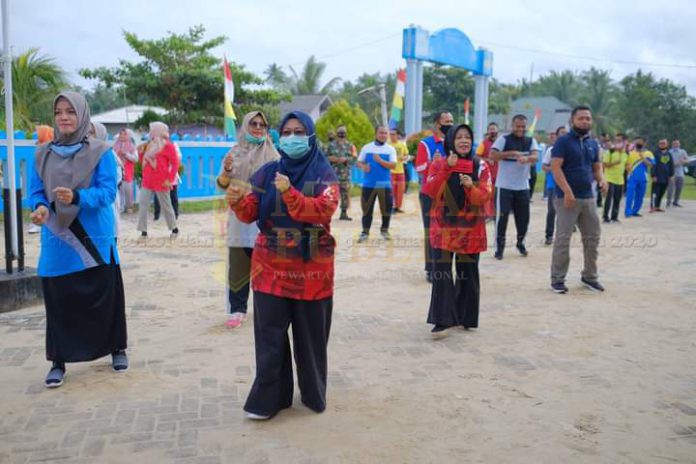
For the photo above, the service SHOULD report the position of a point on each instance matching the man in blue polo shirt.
(377, 159)
(575, 163)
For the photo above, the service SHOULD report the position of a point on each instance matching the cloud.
(261, 33)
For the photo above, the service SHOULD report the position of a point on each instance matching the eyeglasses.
(258, 125)
(288, 132)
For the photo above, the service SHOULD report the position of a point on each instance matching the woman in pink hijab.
(125, 149)
(160, 165)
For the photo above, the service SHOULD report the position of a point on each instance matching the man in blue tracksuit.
(638, 165)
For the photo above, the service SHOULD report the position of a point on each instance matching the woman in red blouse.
(160, 164)
(292, 200)
(457, 232)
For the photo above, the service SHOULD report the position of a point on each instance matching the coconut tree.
(35, 81)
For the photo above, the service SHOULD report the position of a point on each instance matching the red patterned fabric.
(468, 233)
(276, 267)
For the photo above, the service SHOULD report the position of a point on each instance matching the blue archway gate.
(449, 47)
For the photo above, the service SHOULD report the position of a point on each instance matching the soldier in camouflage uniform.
(342, 155)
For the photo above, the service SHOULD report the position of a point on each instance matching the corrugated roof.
(554, 113)
(306, 103)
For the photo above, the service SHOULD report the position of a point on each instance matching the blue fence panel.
(202, 161)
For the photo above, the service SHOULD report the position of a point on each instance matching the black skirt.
(85, 314)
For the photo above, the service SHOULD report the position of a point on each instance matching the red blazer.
(275, 269)
(468, 233)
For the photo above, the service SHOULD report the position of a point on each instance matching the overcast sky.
(357, 36)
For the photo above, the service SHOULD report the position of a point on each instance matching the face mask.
(378, 143)
(254, 140)
(580, 131)
(445, 129)
(639, 146)
(295, 146)
(341, 135)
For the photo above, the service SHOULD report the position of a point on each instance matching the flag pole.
(9, 126)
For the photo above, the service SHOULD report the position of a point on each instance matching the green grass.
(688, 193)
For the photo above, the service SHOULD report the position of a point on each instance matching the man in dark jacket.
(662, 172)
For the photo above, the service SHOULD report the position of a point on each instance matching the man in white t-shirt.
(515, 153)
(377, 159)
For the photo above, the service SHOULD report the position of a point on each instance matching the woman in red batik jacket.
(292, 201)
(457, 232)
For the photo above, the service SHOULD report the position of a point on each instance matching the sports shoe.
(499, 255)
(363, 237)
(236, 319)
(33, 229)
(616, 221)
(345, 217)
(119, 361)
(548, 241)
(678, 205)
(559, 287)
(256, 417)
(439, 331)
(386, 235)
(594, 286)
(55, 376)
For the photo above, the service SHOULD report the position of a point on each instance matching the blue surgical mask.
(295, 146)
(254, 140)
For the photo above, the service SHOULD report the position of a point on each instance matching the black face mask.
(579, 131)
(444, 129)
(639, 146)
(378, 143)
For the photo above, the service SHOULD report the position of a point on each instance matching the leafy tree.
(368, 101)
(446, 88)
(36, 79)
(360, 130)
(179, 73)
(656, 109)
(102, 99)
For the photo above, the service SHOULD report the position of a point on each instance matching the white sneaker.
(257, 417)
(33, 229)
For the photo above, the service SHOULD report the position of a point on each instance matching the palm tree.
(35, 81)
(276, 77)
(308, 80)
(563, 85)
(599, 92)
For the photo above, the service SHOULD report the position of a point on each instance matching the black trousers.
(426, 203)
(550, 213)
(613, 201)
(517, 202)
(598, 192)
(386, 203)
(532, 181)
(272, 390)
(454, 300)
(174, 195)
(657, 192)
(238, 279)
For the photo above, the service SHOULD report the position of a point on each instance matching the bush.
(360, 130)
(414, 139)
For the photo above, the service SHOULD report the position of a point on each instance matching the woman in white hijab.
(254, 149)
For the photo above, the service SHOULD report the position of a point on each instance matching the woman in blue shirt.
(72, 190)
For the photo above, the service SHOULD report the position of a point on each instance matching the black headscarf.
(455, 189)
